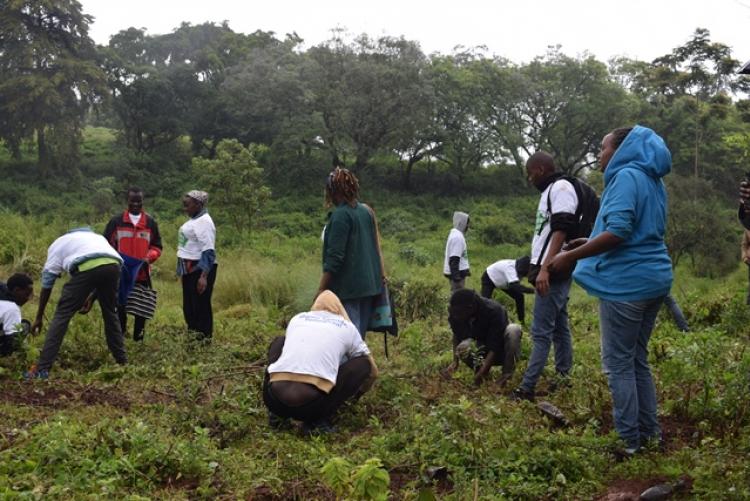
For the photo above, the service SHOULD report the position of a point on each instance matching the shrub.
(417, 299)
(497, 230)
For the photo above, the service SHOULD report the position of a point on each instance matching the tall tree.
(363, 90)
(686, 95)
(556, 103)
(49, 77)
(466, 139)
(168, 85)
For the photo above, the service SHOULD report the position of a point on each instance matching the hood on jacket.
(642, 149)
(330, 302)
(460, 221)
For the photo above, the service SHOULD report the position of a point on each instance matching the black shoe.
(625, 453)
(653, 444)
(279, 423)
(521, 394)
(561, 381)
(319, 427)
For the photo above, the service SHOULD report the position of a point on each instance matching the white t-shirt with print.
(196, 236)
(562, 198)
(10, 317)
(317, 343)
(456, 246)
(74, 245)
(502, 273)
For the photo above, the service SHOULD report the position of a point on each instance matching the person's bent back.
(321, 363)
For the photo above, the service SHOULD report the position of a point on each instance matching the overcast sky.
(516, 29)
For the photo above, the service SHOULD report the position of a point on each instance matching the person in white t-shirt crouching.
(321, 363)
(13, 295)
(456, 265)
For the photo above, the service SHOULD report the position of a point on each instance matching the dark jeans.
(626, 329)
(550, 326)
(488, 287)
(320, 405)
(140, 322)
(104, 281)
(196, 307)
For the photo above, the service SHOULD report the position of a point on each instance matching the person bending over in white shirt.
(506, 275)
(321, 363)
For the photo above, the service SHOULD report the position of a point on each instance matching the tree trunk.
(360, 162)
(42, 151)
(406, 178)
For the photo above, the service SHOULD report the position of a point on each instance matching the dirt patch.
(631, 489)
(60, 394)
(292, 491)
(677, 432)
(402, 477)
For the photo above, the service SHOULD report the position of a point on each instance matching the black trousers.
(102, 279)
(196, 307)
(352, 374)
(488, 287)
(140, 322)
(8, 343)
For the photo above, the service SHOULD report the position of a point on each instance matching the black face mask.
(548, 181)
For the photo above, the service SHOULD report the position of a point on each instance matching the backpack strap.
(549, 235)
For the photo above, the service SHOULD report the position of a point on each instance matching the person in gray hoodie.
(456, 265)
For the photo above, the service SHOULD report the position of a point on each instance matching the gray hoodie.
(460, 221)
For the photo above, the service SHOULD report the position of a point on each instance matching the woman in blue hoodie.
(625, 264)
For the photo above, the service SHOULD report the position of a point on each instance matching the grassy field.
(186, 421)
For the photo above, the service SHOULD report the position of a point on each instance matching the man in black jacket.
(482, 336)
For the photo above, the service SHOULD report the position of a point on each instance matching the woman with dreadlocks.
(351, 255)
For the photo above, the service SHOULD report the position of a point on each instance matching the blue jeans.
(359, 311)
(549, 325)
(626, 328)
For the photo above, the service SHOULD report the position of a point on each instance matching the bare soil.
(60, 394)
(631, 489)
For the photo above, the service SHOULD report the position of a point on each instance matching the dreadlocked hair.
(343, 183)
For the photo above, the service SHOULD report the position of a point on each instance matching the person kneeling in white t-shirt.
(321, 363)
(13, 295)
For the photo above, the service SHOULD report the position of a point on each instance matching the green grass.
(186, 421)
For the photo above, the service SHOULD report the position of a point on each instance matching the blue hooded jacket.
(633, 207)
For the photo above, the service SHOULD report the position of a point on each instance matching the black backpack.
(588, 207)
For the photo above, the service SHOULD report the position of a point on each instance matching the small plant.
(368, 481)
